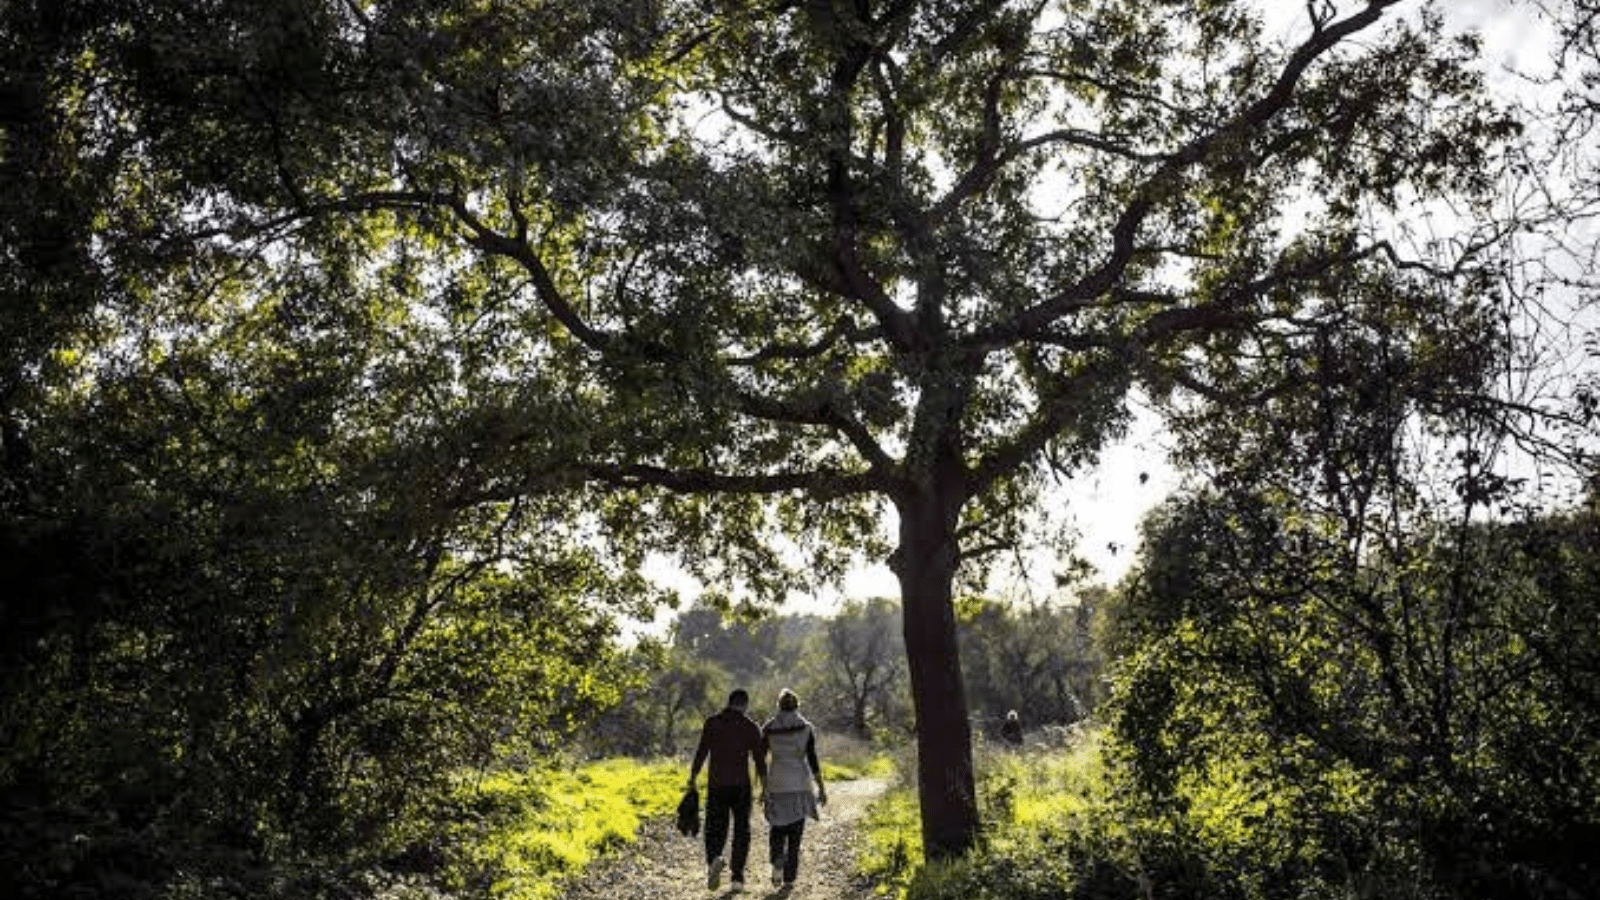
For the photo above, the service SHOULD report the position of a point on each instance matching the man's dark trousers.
(720, 802)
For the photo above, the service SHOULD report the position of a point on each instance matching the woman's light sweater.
(790, 739)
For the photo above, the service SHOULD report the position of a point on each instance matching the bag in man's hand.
(689, 813)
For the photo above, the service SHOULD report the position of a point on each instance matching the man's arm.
(760, 754)
(701, 752)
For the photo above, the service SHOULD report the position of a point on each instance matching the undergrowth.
(1048, 833)
(1060, 824)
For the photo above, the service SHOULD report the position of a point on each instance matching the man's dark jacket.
(733, 741)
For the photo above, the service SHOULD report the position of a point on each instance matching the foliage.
(756, 651)
(249, 626)
(230, 704)
(1406, 726)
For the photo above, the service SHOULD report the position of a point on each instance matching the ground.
(665, 865)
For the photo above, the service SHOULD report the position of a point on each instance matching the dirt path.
(665, 865)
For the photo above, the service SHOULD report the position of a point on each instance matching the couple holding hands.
(733, 742)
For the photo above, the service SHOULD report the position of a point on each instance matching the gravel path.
(665, 865)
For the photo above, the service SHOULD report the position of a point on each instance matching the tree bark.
(925, 563)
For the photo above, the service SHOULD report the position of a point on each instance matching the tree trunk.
(669, 730)
(858, 716)
(925, 563)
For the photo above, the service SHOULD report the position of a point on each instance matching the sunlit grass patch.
(891, 840)
(879, 766)
(1041, 787)
(846, 758)
(545, 825)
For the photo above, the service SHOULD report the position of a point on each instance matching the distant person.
(1011, 729)
(732, 740)
(788, 799)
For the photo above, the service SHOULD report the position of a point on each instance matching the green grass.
(892, 843)
(876, 767)
(1033, 789)
(548, 825)
(847, 758)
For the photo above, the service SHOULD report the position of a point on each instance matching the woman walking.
(788, 799)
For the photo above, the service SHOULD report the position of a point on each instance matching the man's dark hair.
(739, 698)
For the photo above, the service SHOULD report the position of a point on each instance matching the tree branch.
(1078, 137)
(518, 250)
(1166, 178)
(989, 159)
(1050, 419)
(844, 329)
(824, 484)
(824, 414)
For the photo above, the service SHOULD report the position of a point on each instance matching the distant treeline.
(1042, 660)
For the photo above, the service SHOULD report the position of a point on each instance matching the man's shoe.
(714, 878)
(777, 876)
(738, 885)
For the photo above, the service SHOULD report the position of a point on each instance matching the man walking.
(733, 741)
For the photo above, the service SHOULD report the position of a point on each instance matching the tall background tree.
(1040, 659)
(863, 665)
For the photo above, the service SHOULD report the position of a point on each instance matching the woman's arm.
(816, 767)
